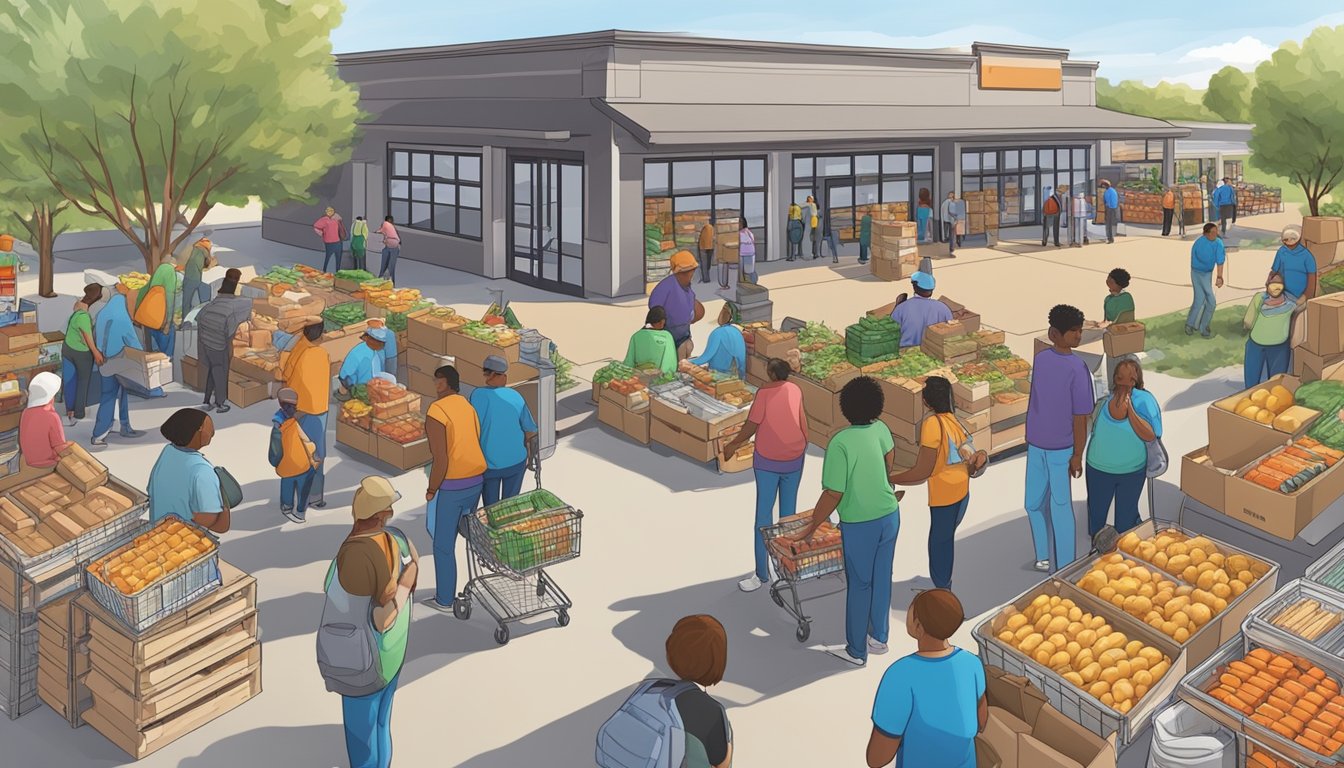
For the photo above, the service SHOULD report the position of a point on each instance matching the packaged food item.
(154, 555)
(1307, 619)
(1287, 695)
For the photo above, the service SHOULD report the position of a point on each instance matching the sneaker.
(286, 508)
(131, 434)
(206, 407)
(434, 604)
(294, 517)
(1189, 331)
(223, 409)
(842, 654)
(875, 648)
(1207, 334)
(1042, 565)
(750, 584)
(99, 440)
(71, 421)
(319, 504)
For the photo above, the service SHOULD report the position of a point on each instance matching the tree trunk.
(46, 251)
(1314, 203)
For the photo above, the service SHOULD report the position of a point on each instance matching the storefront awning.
(768, 124)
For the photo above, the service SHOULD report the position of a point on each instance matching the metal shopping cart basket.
(825, 559)
(510, 544)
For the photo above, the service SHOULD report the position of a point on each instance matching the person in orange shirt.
(294, 457)
(307, 371)
(1168, 209)
(456, 478)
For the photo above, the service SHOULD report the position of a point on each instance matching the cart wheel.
(462, 609)
(562, 618)
(774, 595)
(804, 631)
(502, 635)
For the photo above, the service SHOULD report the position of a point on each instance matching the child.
(294, 457)
(1118, 306)
(359, 235)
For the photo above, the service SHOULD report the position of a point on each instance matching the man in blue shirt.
(1110, 200)
(183, 482)
(507, 430)
(919, 311)
(114, 332)
(364, 362)
(1296, 265)
(1206, 257)
(726, 348)
(1225, 203)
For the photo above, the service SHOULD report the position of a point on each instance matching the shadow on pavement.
(318, 746)
(655, 462)
(573, 737)
(1202, 393)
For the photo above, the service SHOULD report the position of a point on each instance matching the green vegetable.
(819, 364)
(342, 315)
(282, 275)
(816, 333)
(478, 331)
(396, 321)
(612, 371)
(997, 352)
(358, 275)
(1327, 397)
(360, 392)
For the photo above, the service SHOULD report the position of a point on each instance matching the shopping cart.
(510, 544)
(791, 569)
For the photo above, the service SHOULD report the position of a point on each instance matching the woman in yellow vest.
(294, 457)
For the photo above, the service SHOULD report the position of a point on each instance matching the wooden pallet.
(60, 656)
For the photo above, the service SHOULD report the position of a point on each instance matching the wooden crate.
(60, 656)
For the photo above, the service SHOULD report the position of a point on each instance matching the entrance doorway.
(839, 201)
(546, 224)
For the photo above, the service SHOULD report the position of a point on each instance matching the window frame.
(410, 179)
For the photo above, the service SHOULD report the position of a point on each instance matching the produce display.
(912, 365)
(134, 280)
(357, 413)
(495, 316)
(826, 361)
(1287, 695)
(168, 547)
(497, 335)
(1327, 397)
(996, 352)
(1085, 650)
(1332, 281)
(1334, 578)
(816, 554)
(406, 429)
(988, 339)
(816, 335)
(357, 275)
(342, 315)
(872, 339)
(612, 371)
(1289, 468)
(392, 299)
(360, 392)
(1307, 619)
(958, 346)
(536, 541)
(1257, 757)
(1264, 404)
(1012, 366)
(973, 373)
(278, 274)
(397, 320)
(384, 391)
(627, 386)
(313, 274)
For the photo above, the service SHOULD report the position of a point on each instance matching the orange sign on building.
(1020, 73)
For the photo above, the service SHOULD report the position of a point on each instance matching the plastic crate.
(1320, 571)
(1259, 624)
(81, 549)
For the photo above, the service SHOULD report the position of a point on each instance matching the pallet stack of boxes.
(1324, 237)
(659, 244)
(982, 212)
(895, 252)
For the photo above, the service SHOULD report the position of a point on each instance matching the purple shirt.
(1061, 388)
(679, 303)
(917, 313)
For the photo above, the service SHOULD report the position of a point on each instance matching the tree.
(1164, 101)
(1229, 95)
(147, 114)
(1298, 111)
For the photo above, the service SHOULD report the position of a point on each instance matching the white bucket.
(1184, 738)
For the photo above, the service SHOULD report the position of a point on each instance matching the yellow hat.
(684, 261)
(375, 494)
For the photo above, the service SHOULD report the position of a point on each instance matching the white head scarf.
(43, 389)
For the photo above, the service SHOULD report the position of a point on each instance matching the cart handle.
(534, 458)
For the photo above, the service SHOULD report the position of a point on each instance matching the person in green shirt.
(1269, 320)
(359, 237)
(856, 482)
(79, 354)
(865, 237)
(652, 344)
(164, 276)
(193, 290)
(1118, 307)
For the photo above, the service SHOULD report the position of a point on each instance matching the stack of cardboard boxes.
(982, 212)
(673, 423)
(1324, 237)
(24, 353)
(627, 413)
(895, 252)
(1320, 344)
(1024, 731)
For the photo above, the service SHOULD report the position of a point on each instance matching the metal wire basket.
(525, 546)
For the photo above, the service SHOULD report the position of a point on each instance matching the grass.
(1191, 357)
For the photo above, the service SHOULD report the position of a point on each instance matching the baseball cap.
(683, 261)
(923, 281)
(377, 334)
(374, 495)
(495, 364)
(287, 395)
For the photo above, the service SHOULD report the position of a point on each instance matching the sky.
(1143, 40)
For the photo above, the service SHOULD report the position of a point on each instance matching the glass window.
(572, 270)
(401, 163)
(1028, 158)
(420, 215)
(923, 163)
(435, 183)
(866, 194)
(469, 197)
(866, 164)
(1079, 158)
(727, 206)
(970, 161)
(989, 160)
(655, 179)
(400, 211)
(800, 195)
(895, 192)
(445, 166)
(970, 184)
(445, 219)
(833, 166)
(802, 167)
(727, 174)
(571, 209)
(1010, 158)
(1047, 158)
(445, 194)
(753, 207)
(399, 189)
(420, 190)
(690, 177)
(469, 167)
(753, 173)
(896, 163)
(419, 163)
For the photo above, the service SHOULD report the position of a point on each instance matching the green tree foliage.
(148, 114)
(1165, 101)
(1229, 95)
(1298, 111)
(31, 208)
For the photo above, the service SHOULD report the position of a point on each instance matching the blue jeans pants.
(1103, 488)
(368, 727)
(314, 427)
(112, 396)
(331, 252)
(1048, 482)
(294, 491)
(1201, 309)
(389, 265)
(449, 507)
(193, 292)
(771, 486)
(502, 484)
(943, 522)
(863, 250)
(162, 341)
(869, 548)
(1264, 362)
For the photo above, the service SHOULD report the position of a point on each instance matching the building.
(577, 163)
(1210, 151)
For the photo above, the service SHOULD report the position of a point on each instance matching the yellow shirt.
(462, 427)
(948, 484)
(307, 370)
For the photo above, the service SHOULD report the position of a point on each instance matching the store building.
(1210, 151)
(579, 163)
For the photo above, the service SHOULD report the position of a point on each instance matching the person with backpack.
(332, 231)
(216, 324)
(795, 231)
(155, 307)
(676, 722)
(114, 332)
(293, 456)
(307, 371)
(1051, 210)
(1117, 455)
(369, 587)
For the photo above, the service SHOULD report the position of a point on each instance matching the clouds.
(1244, 53)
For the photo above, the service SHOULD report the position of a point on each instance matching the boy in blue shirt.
(507, 429)
(1206, 256)
(931, 704)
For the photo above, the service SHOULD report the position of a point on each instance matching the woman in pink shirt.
(41, 435)
(391, 249)
(777, 421)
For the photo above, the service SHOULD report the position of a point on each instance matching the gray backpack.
(347, 644)
(647, 731)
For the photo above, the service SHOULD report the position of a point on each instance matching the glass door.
(546, 224)
(839, 214)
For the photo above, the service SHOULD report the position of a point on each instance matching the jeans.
(449, 507)
(502, 484)
(1264, 362)
(869, 548)
(1166, 221)
(795, 247)
(113, 395)
(331, 252)
(216, 363)
(1078, 232)
(161, 341)
(1048, 480)
(193, 292)
(943, 523)
(706, 260)
(76, 375)
(1102, 487)
(357, 255)
(833, 240)
(1112, 218)
(1225, 212)
(747, 277)
(816, 241)
(389, 266)
(294, 491)
(769, 486)
(1201, 310)
(368, 727)
(863, 253)
(314, 427)
(1049, 223)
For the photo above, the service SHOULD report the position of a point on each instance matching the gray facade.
(582, 115)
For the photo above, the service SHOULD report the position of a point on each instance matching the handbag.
(229, 489)
(954, 457)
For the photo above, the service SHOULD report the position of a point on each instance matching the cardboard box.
(633, 424)
(820, 433)
(251, 370)
(1325, 253)
(774, 344)
(1322, 229)
(820, 404)
(687, 445)
(1309, 366)
(1007, 438)
(1235, 440)
(900, 429)
(403, 455)
(245, 392)
(1005, 411)
(685, 422)
(1123, 339)
(1279, 514)
(969, 320)
(193, 374)
(17, 361)
(631, 402)
(757, 368)
(1023, 724)
(425, 361)
(421, 384)
(892, 270)
(468, 350)
(1202, 481)
(903, 399)
(432, 333)
(974, 422)
(1325, 325)
(19, 337)
(283, 309)
(80, 469)
(353, 437)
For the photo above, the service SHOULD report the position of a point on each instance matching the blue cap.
(923, 281)
(377, 334)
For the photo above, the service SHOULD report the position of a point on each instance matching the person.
(456, 478)
(160, 338)
(795, 232)
(946, 460)
(1110, 200)
(114, 332)
(1269, 321)
(306, 369)
(294, 457)
(746, 252)
(674, 294)
(1051, 209)
(652, 344)
(1081, 213)
(1179, 215)
(79, 353)
(706, 248)
(931, 704)
(919, 311)
(391, 248)
(812, 214)
(1224, 202)
(41, 436)
(507, 432)
(363, 363)
(183, 482)
(697, 652)
(1117, 455)
(777, 422)
(1061, 400)
(1206, 257)
(193, 289)
(832, 237)
(866, 235)
(726, 351)
(332, 232)
(1118, 306)
(924, 219)
(359, 238)
(953, 213)
(216, 325)
(391, 365)
(373, 578)
(855, 477)
(1168, 210)
(1296, 265)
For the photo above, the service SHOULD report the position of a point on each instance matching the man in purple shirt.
(675, 295)
(919, 311)
(1061, 400)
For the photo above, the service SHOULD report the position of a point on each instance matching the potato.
(1046, 646)
(1112, 656)
(1023, 633)
(1097, 622)
(1109, 675)
(1245, 576)
(1127, 586)
(1181, 618)
(1124, 667)
(1205, 580)
(1138, 605)
(1142, 678)
(1177, 563)
(1238, 587)
(1060, 659)
(1160, 560)
(1184, 591)
(1219, 605)
(1159, 669)
(1200, 614)
(1075, 614)
(1148, 590)
(1258, 569)
(1073, 648)
(1058, 640)
(1041, 656)
(1122, 689)
(1031, 643)
(1138, 664)
(1057, 624)
(1099, 689)
(1042, 622)
(1016, 621)
(1217, 558)
(1118, 601)
(1141, 573)
(1200, 596)
(1106, 593)
(1181, 635)
(1059, 611)
(1103, 629)
(1238, 562)
(1129, 542)
(1177, 548)
(1074, 629)
(1091, 673)
(1086, 638)
(1146, 550)
(1075, 678)
(1124, 706)
(1085, 657)
(1150, 653)
(1222, 590)
(1108, 699)
(1164, 540)
(1190, 574)
(1115, 571)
